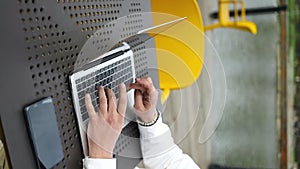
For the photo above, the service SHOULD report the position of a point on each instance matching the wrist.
(147, 117)
(148, 122)
(100, 154)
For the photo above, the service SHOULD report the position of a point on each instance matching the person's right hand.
(145, 99)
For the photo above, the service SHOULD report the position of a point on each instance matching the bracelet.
(151, 123)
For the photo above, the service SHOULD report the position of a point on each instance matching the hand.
(105, 126)
(145, 98)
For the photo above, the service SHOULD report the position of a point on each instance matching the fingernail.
(122, 85)
(87, 95)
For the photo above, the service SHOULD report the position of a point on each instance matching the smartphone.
(43, 131)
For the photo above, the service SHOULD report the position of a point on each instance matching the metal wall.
(40, 43)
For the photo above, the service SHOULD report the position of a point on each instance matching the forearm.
(159, 149)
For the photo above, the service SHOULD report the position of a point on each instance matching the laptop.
(108, 70)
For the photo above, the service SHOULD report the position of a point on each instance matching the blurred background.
(259, 126)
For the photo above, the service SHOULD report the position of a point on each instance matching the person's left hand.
(105, 126)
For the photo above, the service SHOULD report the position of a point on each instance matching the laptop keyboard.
(110, 76)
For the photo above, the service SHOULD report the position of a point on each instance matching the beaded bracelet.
(151, 123)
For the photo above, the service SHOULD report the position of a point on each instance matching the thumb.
(122, 99)
(138, 100)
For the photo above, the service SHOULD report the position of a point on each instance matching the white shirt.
(158, 149)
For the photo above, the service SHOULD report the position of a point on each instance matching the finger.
(89, 106)
(102, 101)
(148, 79)
(146, 83)
(138, 100)
(122, 99)
(137, 87)
(111, 99)
(151, 92)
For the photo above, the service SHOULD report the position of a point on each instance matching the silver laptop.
(112, 69)
(108, 70)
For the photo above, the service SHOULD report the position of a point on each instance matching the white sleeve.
(94, 163)
(160, 151)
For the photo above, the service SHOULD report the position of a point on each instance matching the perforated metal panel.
(40, 43)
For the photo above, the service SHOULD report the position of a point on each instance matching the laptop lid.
(92, 51)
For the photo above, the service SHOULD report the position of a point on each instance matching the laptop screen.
(94, 49)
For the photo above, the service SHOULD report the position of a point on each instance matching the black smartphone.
(43, 131)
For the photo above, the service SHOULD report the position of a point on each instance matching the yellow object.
(179, 49)
(239, 22)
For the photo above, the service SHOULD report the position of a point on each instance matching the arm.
(158, 148)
